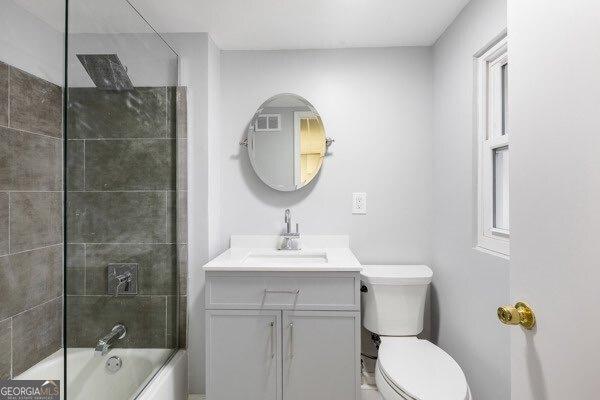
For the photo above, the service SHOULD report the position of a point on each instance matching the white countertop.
(259, 253)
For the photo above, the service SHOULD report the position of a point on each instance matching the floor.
(368, 392)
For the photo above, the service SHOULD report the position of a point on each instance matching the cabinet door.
(243, 355)
(321, 355)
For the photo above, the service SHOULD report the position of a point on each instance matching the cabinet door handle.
(291, 340)
(272, 325)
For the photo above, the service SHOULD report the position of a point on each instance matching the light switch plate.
(359, 203)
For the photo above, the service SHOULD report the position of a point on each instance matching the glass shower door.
(125, 201)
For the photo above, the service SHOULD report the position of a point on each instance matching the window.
(267, 123)
(493, 132)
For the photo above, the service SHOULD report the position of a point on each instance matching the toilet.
(408, 368)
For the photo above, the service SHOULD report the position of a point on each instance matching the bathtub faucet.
(104, 344)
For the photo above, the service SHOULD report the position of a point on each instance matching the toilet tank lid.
(396, 274)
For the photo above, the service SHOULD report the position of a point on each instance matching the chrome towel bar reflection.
(328, 141)
(294, 291)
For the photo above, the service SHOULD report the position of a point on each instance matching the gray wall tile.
(182, 261)
(5, 349)
(35, 220)
(172, 313)
(35, 104)
(181, 112)
(141, 164)
(182, 164)
(177, 217)
(3, 223)
(75, 164)
(3, 94)
(171, 112)
(116, 217)
(37, 333)
(183, 322)
(29, 278)
(76, 273)
(75, 256)
(156, 273)
(95, 113)
(91, 317)
(29, 162)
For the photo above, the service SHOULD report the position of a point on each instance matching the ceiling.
(267, 24)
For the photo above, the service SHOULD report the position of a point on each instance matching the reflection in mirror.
(286, 142)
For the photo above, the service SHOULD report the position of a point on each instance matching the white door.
(243, 355)
(321, 355)
(554, 114)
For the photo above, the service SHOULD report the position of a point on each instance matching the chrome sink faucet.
(118, 332)
(290, 240)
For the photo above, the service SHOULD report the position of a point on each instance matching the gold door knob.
(520, 314)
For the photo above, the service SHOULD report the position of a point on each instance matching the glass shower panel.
(31, 198)
(124, 241)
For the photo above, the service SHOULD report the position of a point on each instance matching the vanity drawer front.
(293, 292)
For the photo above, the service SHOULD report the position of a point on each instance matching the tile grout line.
(11, 348)
(120, 191)
(32, 191)
(166, 216)
(166, 112)
(111, 138)
(84, 165)
(121, 243)
(85, 269)
(12, 128)
(34, 249)
(8, 222)
(36, 306)
(8, 105)
(149, 295)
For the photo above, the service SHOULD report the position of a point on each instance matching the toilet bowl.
(408, 368)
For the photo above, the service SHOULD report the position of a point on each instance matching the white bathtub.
(88, 378)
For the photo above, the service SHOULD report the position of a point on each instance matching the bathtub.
(88, 378)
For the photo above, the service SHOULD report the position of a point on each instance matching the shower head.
(106, 71)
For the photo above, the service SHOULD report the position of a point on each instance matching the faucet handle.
(297, 228)
(287, 217)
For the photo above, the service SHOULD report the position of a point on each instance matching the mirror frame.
(250, 129)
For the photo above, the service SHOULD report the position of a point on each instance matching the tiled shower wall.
(30, 220)
(126, 203)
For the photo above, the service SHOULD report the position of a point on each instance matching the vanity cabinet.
(283, 336)
(243, 354)
(320, 355)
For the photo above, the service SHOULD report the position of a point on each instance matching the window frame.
(490, 137)
(268, 128)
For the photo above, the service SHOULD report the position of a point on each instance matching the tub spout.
(104, 343)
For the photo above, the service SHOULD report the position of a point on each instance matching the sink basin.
(285, 258)
(258, 253)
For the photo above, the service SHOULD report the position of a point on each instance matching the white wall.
(468, 285)
(199, 72)
(377, 105)
(28, 43)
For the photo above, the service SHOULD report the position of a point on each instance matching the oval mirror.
(286, 142)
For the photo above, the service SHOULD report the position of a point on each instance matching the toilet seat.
(416, 369)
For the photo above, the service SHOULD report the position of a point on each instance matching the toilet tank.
(393, 298)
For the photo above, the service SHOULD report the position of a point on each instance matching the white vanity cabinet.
(321, 355)
(283, 335)
(243, 354)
